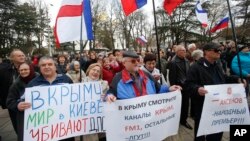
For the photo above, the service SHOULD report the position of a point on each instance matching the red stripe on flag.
(129, 6)
(221, 26)
(70, 11)
(171, 5)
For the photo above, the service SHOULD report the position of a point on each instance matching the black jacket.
(203, 73)
(16, 91)
(8, 74)
(177, 75)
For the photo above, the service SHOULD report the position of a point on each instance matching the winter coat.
(245, 64)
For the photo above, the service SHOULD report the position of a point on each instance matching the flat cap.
(131, 54)
(210, 46)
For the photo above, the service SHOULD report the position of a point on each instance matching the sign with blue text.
(224, 105)
(146, 118)
(63, 111)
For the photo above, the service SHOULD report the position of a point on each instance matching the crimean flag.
(171, 5)
(222, 24)
(73, 16)
(129, 6)
(201, 14)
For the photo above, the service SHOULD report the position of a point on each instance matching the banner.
(146, 118)
(224, 105)
(63, 111)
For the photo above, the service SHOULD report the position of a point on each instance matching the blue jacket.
(41, 81)
(245, 64)
(124, 87)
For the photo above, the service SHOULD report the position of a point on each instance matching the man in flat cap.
(132, 82)
(206, 71)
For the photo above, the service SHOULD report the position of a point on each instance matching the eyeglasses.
(133, 61)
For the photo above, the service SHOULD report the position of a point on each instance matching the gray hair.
(46, 58)
(179, 47)
(191, 46)
(76, 63)
(197, 54)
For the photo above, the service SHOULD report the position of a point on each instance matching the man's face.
(213, 54)
(18, 57)
(150, 65)
(181, 52)
(131, 64)
(47, 68)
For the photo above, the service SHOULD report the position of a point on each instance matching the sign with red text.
(63, 111)
(224, 105)
(146, 118)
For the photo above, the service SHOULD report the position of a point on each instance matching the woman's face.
(106, 63)
(77, 67)
(92, 56)
(24, 70)
(95, 73)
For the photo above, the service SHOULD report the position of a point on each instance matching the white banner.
(146, 118)
(63, 111)
(224, 105)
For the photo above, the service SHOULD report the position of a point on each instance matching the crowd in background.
(177, 63)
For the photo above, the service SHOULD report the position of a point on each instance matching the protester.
(206, 71)
(74, 74)
(62, 63)
(178, 69)
(190, 49)
(49, 76)
(150, 67)
(132, 82)
(16, 93)
(109, 70)
(163, 63)
(8, 75)
(197, 54)
(94, 73)
(244, 55)
(92, 59)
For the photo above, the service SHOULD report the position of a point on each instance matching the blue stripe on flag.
(88, 18)
(140, 3)
(198, 10)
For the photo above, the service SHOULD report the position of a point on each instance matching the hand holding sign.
(202, 91)
(23, 105)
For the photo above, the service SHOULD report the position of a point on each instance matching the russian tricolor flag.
(141, 40)
(129, 6)
(68, 22)
(201, 14)
(222, 24)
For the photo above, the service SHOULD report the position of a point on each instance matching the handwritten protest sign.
(147, 118)
(224, 105)
(63, 111)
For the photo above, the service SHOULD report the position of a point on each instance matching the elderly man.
(49, 76)
(178, 69)
(190, 49)
(8, 74)
(132, 82)
(206, 71)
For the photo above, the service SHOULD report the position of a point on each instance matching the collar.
(126, 76)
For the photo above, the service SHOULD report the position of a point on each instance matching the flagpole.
(81, 50)
(235, 39)
(157, 40)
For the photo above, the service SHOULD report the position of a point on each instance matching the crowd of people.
(128, 74)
